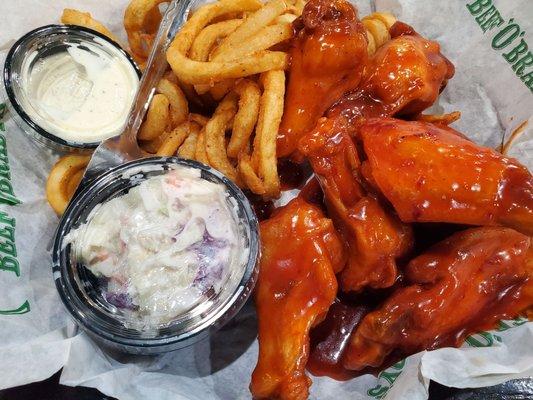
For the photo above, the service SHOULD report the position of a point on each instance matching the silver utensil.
(122, 148)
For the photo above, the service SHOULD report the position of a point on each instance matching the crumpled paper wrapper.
(37, 337)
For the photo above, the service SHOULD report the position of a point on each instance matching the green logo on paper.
(386, 379)
(23, 309)
(8, 249)
(7, 194)
(508, 38)
(488, 339)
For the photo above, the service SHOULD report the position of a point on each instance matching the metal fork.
(122, 148)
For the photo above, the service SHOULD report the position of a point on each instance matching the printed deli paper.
(488, 43)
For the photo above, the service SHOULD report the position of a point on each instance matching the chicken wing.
(465, 283)
(432, 173)
(404, 77)
(375, 237)
(328, 56)
(301, 252)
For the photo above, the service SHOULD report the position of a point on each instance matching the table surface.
(50, 389)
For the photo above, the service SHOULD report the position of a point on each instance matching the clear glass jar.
(79, 288)
(35, 46)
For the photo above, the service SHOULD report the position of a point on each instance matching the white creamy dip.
(82, 94)
(165, 246)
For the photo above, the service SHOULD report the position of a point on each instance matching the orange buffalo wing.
(375, 237)
(328, 56)
(301, 252)
(432, 173)
(404, 77)
(466, 283)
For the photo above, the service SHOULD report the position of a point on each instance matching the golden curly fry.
(200, 154)
(262, 40)
(270, 112)
(75, 17)
(248, 175)
(222, 88)
(74, 182)
(202, 17)
(199, 119)
(151, 146)
(157, 118)
(252, 25)
(296, 7)
(387, 18)
(188, 148)
(286, 18)
(64, 179)
(245, 118)
(377, 27)
(179, 107)
(141, 20)
(173, 141)
(209, 36)
(215, 139)
(195, 72)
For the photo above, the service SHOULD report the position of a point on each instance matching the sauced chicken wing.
(432, 173)
(465, 283)
(301, 252)
(375, 237)
(404, 77)
(328, 56)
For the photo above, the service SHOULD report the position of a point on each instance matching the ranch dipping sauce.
(163, 248)
(82, 93)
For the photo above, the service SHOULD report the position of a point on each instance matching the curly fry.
(179, 107)
(188, 148)
(215, 140)
(200, 154)
(156, 119)
(207, 38)
(248, 175)
(253, 24)
(74, 182)
(387, 18)
(222, 88)
(61, 183)
(151, 146)
(377, 26)
(195, 72)
(296, 7)
(75, 17)
(270, 112)
(203, 44)
(286, 18)
(261, 41)
(199, 119)
(246, 117)
(140, 18)
(171, 144)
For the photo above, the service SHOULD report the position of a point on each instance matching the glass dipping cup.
(79, 290)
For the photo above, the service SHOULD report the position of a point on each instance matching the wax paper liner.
(484, 39)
